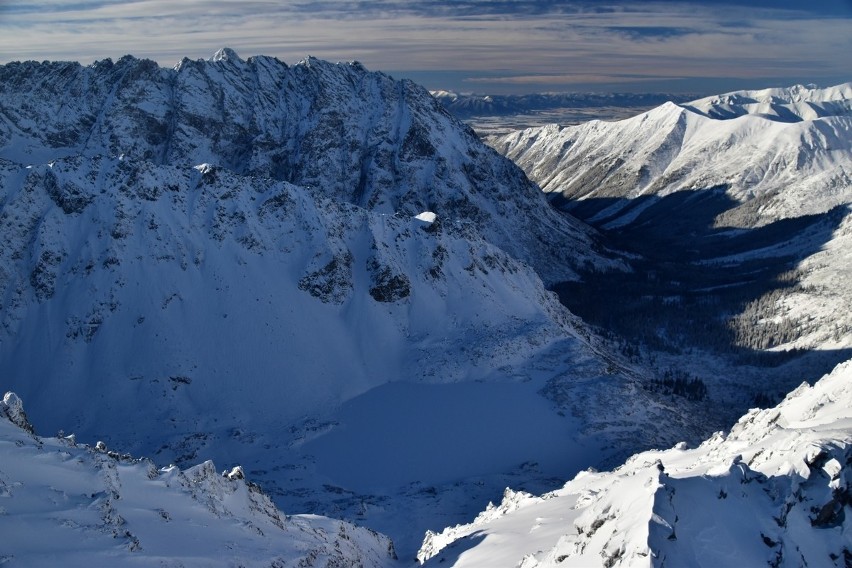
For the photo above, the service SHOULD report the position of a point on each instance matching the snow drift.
(776, 490)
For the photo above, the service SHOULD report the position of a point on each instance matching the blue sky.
(486, 46)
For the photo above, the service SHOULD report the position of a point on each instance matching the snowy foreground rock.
(775, 491)
(63, 503)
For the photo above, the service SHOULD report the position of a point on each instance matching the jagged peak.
(181, 64)
(13, 409)
(102, 64)
(311, 62)
(125, 59)
(442, 94)
(226, 54)
(665, 113)
(266, 60)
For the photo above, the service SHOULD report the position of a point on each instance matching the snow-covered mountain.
(246, 218)
(788, 104)
(774, 491)
(779, 153)
(344, 132)
(759, 181)
(70, 504)
(316, 272)
(259, 264)
(499, 114)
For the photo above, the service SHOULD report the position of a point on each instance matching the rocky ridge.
(344, 132)
(94, 506)
(773, 491)
(211, 261)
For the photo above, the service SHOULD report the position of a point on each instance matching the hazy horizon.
(481, 46)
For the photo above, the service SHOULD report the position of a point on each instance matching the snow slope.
(225, 260)
(349, 134)
(72, 504)
(773, 491)
(499, 114)
(772, 168)
(749, 166)
(196, 289)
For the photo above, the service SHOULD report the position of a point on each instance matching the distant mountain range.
(470, 105)
(500, 114)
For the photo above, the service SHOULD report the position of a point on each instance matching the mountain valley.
(317, 273)
(735, 210)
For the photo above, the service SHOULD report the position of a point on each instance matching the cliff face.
(343, 132)
(223, 260)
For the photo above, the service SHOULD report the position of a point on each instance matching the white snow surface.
(774, 168)
(426, 217)
(222, 261)
(69, 504)
(775, 491)
(338, 129)
(775, 154)
(788, 104)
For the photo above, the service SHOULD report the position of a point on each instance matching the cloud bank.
(483, 45)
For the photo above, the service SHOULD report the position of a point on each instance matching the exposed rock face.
(388, 287)
(13, 409)
(331, 283)
(775, 490)
(338, 129)
(229, 235)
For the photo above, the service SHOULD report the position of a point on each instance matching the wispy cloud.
(544, 42)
